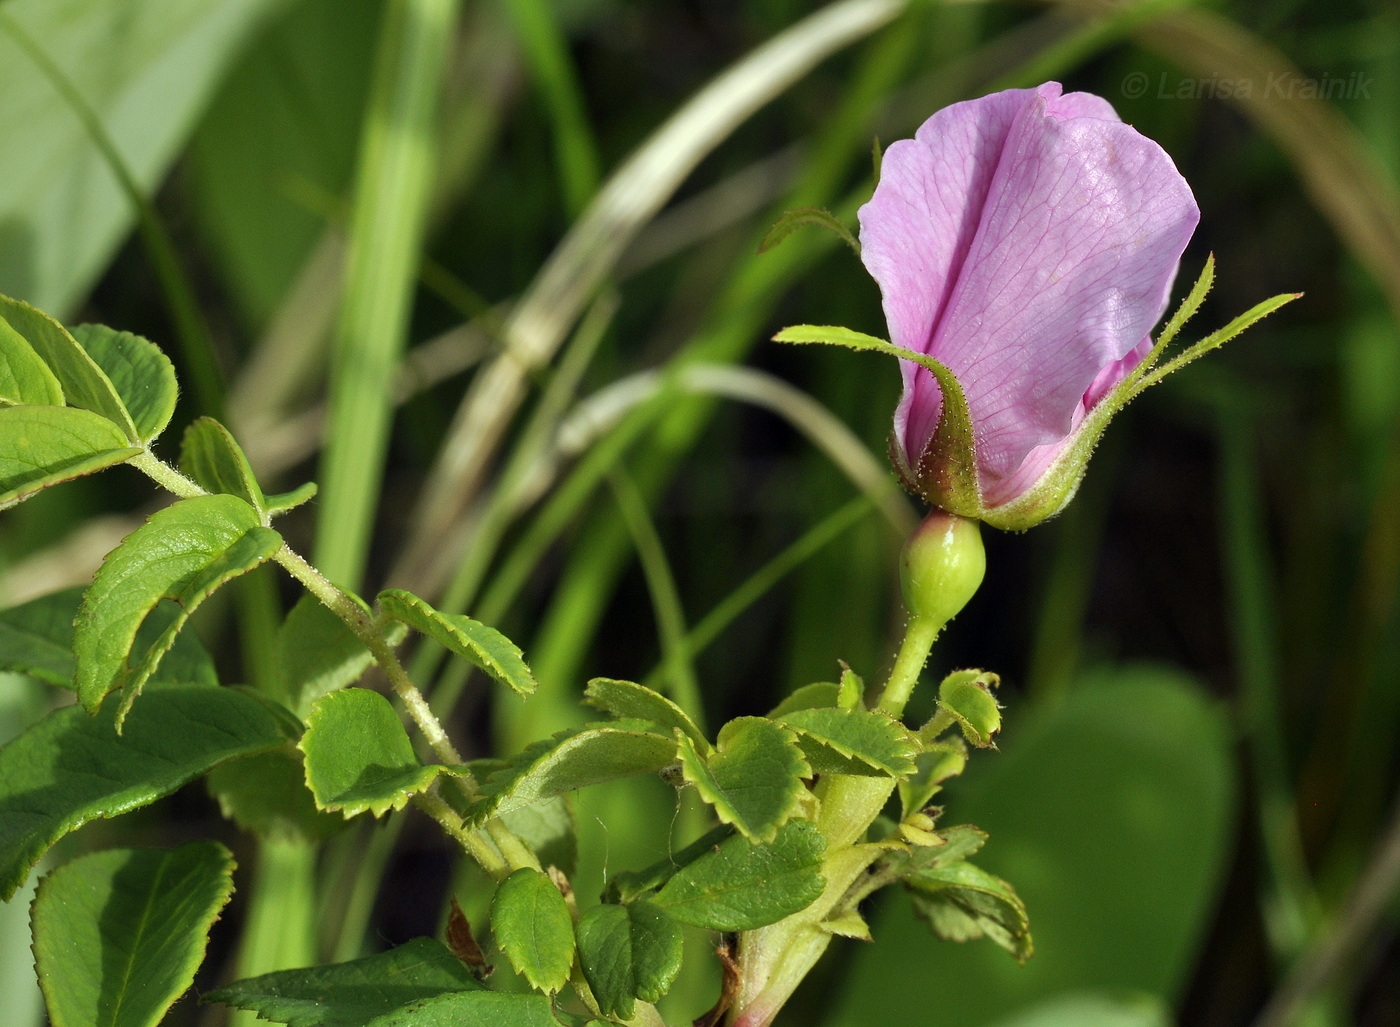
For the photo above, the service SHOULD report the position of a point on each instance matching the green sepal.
(947, 471)
(358, 756)
(182, 553)
(71, 768)
(532, 926)
(44, 446)
(141, 375)
(629, 700)
(960, 902)
(628, 953)
(753, 779)
(573, 759)
(965, 698)
(739, 886)
(24, 377)
(483, 646)
(354, 993)
(145, 911)
(794, 219)
(947, 475)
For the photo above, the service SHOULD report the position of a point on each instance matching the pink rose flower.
(1028, 241)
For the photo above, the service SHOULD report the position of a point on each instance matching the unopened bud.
(942, 566)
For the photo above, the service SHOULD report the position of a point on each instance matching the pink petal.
(1076, 225)
(916, 230)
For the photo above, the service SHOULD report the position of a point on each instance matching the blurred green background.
(355, 199)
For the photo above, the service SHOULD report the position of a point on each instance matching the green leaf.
(740, 886)
(809, 697)
(573, 759)
(36, 638)
(210, 455)
(938, 762)
(350, 994)
(949, 468)
(147, 67)
(852, 690)
(119, 935)
(961, 902)
(71, 768)
(359, 757)
(966, 696)
(550, 828)
(316, 654)
(472, 1009)
(753, 779)
(626, 699)
(266, 794)
(84, 383)
(182, 553)
(850, 741)
(43, 446)
(532, 925)
(24, 377)
(628, 953)
(794, 219)
(281, 502)
(485, 647)
(140, 373)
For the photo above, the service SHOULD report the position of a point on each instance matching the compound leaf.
(350, 994)
(118, 935)
(71, 768)
(359, 757)
(753, 779)
(44, 445)
(141, 375)
(574, 759)
(740, 886)
(628, 953)
(182, 553)
(485, 647)
(532, 925)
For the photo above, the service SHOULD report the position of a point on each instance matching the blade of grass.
(758, 584)
(547, 52)
(387, 226)
(665, 596)
(630, 198)
(1291, 908)
(196, 346)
